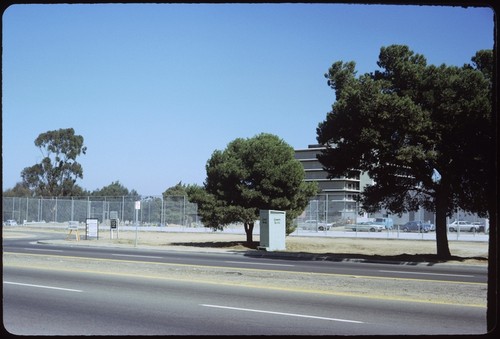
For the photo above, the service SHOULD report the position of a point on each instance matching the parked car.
(367, 226)
(10, 222)
(431, 227)
(480, 226)
(322, 226)
(315, 225)
(462, 226)
(388, 223)
(416, 226)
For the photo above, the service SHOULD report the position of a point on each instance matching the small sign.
(92, 228)
(138, 205)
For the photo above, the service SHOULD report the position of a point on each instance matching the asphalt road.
(49, 302)
(46, 300)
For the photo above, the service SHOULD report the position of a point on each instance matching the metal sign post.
(73, 226)
(113, 226)
(137, 208)
(114, 221)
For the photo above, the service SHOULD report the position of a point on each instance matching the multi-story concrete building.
(336, 201)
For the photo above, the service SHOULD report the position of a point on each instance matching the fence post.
(103, 208)
(27, 203)
(72, 209)
(88, 207)
(184, 210)
(162, 217)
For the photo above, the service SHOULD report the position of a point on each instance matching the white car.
(462, 226)
(315, 225)
(11, 222)
(367, 226)
(481, 227)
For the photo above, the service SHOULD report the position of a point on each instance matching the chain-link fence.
(154, 211)
(324, 212)
(338, 212)
(330, 209)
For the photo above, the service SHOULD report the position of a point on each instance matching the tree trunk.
(443, 250)
(249, 231)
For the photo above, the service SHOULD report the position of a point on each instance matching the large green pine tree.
(423, 133)
(250, 175)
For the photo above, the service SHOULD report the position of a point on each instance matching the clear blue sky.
(155, 89)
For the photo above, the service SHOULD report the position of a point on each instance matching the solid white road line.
(137, 256)
(42, 249)
(42, 286)
(426, 273)
(255, 263)
(282, 313)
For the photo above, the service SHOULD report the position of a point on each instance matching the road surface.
(70, 290)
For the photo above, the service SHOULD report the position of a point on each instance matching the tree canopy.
(423, 133)
(19, 190)
(58, 171)
(115, 189)
(250, 175)
(178, 189)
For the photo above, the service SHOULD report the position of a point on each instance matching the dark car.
(416, 226)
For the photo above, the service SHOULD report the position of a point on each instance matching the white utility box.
(272, 230)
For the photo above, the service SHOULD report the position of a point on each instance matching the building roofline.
(310, 149)
(307, 159)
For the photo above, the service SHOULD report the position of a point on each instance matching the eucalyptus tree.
(58, 170)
